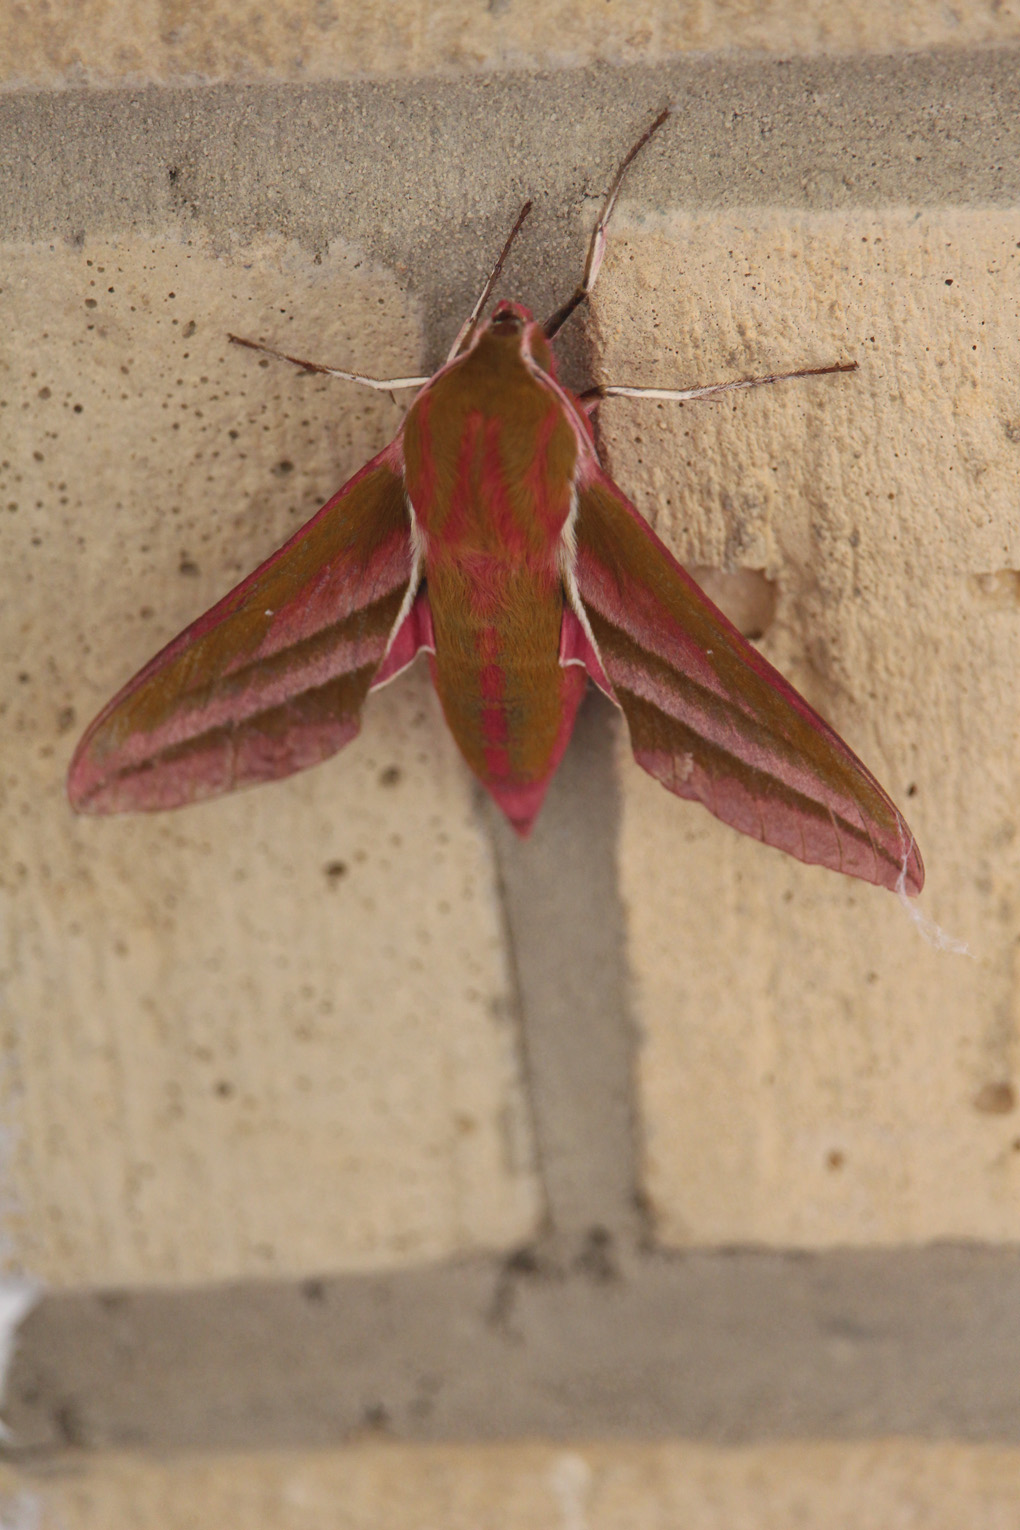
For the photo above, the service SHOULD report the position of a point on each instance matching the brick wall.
(379, 1169)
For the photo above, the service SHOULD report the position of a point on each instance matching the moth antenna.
(383, 384)
(467, 329)
(597, 247)
(680, 395)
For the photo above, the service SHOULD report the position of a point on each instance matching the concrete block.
(271, 1033)
(119, 41)
(815, 1486)
(812, 1071)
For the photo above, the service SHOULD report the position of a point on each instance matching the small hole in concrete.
(996, 1099)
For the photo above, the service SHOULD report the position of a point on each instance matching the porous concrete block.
(813, 1071)
(815, 1486)
(120, 41)
(270, 1033)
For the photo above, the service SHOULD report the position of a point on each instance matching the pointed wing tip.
(80, 790)
(903, 867)
(95, 792)
(97, 798)
(910, 879)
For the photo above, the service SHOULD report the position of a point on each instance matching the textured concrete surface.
(152, 465)
(109, 41)
(393, 1109)
(295, 1004)
(882, 508)
(588, 1487)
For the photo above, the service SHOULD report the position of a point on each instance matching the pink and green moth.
(489, 535)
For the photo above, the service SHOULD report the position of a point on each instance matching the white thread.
(930, 931)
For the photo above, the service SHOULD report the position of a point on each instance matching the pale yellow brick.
(269, 1033)
(812, 1072)
(858, 1486)
(133, 41)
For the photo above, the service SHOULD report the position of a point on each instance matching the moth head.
(514, 324)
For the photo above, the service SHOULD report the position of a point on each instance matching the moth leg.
(467, 329)
(384, 384)
(597, 247)
(592, 396)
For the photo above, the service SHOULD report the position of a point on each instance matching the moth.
(489, 535)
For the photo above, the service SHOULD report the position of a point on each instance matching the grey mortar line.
(566, 932)
(401, 169)
(721, 1346)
